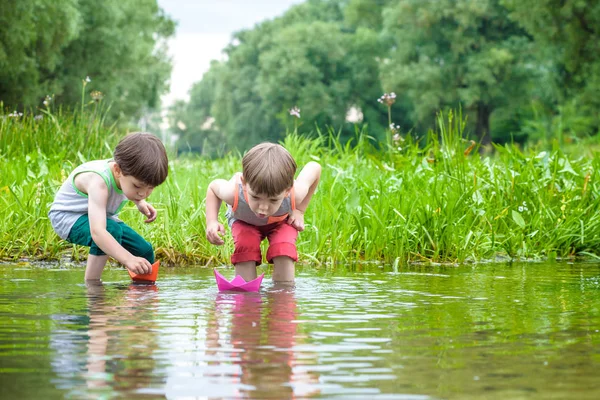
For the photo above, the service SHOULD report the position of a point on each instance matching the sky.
(203, 30)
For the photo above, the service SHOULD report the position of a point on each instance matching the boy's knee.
(147, 252)
(282, 249)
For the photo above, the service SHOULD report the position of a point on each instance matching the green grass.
(390, 202)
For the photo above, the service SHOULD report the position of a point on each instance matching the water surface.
(500, 331)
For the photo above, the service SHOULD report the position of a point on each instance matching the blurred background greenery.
(523, 71)
(327, 78)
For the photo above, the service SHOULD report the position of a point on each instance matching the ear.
(117, 170)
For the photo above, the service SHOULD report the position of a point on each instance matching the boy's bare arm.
(306, 184)
(97, 192)
(218, 191)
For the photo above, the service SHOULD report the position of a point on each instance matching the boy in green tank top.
(86, 207)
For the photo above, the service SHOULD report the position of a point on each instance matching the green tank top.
(70, 203)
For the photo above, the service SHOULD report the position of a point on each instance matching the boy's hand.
(214, 232)
(296, 219)
(138, 265)
(147, 210)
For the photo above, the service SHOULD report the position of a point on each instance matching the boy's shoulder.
(94, 163)
(93, 176)
(226, 190)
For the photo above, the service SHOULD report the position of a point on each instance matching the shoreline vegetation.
(429, 199)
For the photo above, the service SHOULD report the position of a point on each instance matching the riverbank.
(433, 200)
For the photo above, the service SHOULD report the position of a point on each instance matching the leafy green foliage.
(33, 35)
(307, 58)
(567, 34)
(450, 52)
(48, 47)
(519, 70)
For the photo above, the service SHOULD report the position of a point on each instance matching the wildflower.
(208, 124)
(96, 95)
(354, 115)
(388, 99)
(38, 117)
(87, 79)
(47, 100)
(295, 111)
(15, 114)
(520, 209)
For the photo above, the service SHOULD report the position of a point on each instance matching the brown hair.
(269, 169)
(143, 156)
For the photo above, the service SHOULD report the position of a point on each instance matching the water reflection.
(121, 339)
(262, 335)
(471, 332)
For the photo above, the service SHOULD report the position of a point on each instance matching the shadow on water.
(519, 331)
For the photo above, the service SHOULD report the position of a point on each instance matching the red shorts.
(247, 238)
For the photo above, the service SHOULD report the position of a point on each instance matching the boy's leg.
(283, 253)
(247, 254)
(97, 258)
(134, 243)
(284, 270)
(95, 266)
(81, 234)
(246, 270)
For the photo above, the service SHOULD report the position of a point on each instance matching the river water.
(487, 331)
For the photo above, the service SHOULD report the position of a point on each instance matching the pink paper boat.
(238, 283)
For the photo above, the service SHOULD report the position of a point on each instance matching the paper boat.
(149, 278)
(238, 283)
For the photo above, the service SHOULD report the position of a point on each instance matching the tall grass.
(432, 200)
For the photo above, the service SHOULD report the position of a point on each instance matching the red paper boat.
(151, 277)
(238, 283)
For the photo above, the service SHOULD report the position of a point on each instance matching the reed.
(433, 200)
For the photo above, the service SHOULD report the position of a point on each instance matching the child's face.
(133, 188)
(262, 205)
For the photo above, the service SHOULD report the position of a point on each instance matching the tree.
(451, 52)
(122, 47)
(567, 34)
(49, 47)
(33, 35)
(193, 121)
(307, 58)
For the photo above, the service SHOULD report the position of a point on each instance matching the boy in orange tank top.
(264, 201)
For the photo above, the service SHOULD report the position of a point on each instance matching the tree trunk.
(482, 129)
